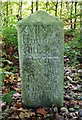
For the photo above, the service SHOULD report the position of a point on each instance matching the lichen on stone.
(40, 44)
(40, 17)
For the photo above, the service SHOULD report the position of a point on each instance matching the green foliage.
(14, 69)
(8, 66)
(72, 49)
(10, 73)
(2, 76)
(9, 62)
(10, 36)
(8, 97)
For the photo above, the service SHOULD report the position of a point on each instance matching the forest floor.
(12, 107)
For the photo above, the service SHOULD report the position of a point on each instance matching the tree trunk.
(75, 14)
(71, 16)
(47, 3)
(56, 8)
(19, 16)
(37, 5)
(61, 9)
(11, 11)
(1, 13)
(20, 9)
(67, 6)
(31, 6)
(81, 28)
(6, 14)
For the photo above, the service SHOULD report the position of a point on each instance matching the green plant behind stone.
(71, 49)
(2, 76)
(10, 36)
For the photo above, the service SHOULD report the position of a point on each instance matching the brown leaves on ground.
(41, 111)
(72, 109)
(26, 115)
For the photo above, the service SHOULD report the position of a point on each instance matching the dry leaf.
(18, 105)
(26, 114)
(41, 111)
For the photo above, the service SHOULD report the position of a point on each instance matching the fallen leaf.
(23, 115)
(18, 105)
(41, 111)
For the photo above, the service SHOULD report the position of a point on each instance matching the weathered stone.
(64, 110)
(80, 112)
(40, 41)
(71, 109)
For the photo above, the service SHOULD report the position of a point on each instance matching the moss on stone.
(40, 42)
(40, 17)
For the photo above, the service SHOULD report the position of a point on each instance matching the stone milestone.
(40, 44)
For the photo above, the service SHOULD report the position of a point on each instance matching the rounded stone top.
(40, 18)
